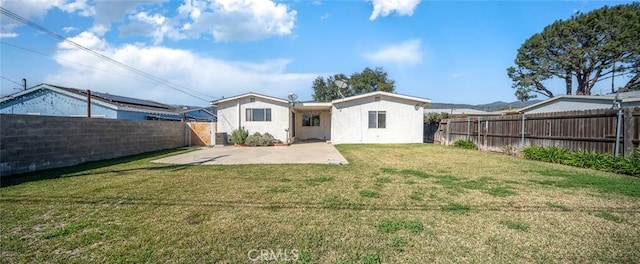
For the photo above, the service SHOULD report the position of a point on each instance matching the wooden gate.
(202, 133)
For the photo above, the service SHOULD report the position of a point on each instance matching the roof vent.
(252, 99)
(377, 98)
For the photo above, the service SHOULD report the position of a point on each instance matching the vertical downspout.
(239, 115)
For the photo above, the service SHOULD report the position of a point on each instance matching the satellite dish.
(341, 83)
(293, 97)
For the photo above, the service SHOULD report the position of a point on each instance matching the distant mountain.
(495, 106)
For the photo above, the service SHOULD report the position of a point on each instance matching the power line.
(169, 84)
(70, 61)
(5, 78)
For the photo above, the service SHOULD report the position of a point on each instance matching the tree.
(587, 48)
(325, 89)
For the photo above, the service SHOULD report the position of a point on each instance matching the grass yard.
(391, 204)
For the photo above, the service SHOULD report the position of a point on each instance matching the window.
(258, 114)
(310, 120)
(377, 119)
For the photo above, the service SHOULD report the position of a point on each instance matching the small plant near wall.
(266, 140)
(465, 144)
(257, 139)
(239, 136)
(509, 150)
(254, 139)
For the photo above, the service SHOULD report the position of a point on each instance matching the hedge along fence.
(599, 161)
(590, 131)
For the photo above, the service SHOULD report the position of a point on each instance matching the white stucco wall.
(313, 132)
(228, 117)
(350, 121)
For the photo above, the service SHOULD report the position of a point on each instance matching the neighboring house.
(376, 117)
(462, 111)
(53, 100)
(582, 102)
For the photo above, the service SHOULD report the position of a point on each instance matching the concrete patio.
(299, 153)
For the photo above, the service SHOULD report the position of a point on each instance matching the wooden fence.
(592, 130)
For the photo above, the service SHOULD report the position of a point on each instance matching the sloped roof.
(109, 100)
(461, 111)
(599, 98)
(250, 94)
(378, 93)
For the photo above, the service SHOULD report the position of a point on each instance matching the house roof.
(116, 102)
(461, 111)
(623, 97)
(378, 93)
(250, 94)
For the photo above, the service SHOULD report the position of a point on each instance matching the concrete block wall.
(31, 143)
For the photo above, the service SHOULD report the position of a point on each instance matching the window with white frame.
(310, 120)
(377, 119)
(258, 114)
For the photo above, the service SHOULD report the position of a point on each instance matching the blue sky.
(448, 51)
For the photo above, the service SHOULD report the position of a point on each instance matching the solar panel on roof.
(129, 100)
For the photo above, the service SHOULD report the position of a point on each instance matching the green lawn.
(391, 204)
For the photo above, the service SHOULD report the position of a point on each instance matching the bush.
(254, 140)
(465, 143)
(239, 136)
(257, 139)
(435, 117)
(266, 140)
(583, 159)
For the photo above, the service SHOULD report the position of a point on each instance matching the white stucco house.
(376, 117)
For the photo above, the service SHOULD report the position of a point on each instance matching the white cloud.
(157, 26)
(8, 35)
(79, 6)
(208, 75)
(243, 20)
(405, 53)
(69, 29)
(325, 16)
(30, 9)
(383, 8)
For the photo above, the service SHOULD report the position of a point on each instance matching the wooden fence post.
(447, 129)
(486, 131)
(627, 137)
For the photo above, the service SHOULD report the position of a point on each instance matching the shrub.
(257, 139)
(599, 161)
(239, 136)
(254, 139)
(465, 143)
(266, 140)
(435, 117)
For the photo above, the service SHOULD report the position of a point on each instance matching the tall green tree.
(369, 80)
(583, 50)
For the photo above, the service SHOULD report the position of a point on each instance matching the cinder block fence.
(30, 143)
